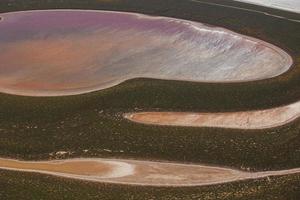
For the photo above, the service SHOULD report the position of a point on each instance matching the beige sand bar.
(134, 172)
(241, 120)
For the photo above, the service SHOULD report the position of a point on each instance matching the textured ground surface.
(72, 52)
(28, 186)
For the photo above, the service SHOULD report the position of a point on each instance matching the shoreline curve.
(176, 49)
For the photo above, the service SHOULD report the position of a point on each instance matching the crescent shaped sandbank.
(258, 119)
(134, 172)
(67, 52)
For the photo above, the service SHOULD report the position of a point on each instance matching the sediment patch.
(134, 172)
(241, 120)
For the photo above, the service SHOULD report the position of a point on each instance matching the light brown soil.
(70, 167)
(242, 120)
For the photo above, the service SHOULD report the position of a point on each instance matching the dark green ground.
(27, 186)
(35, 128)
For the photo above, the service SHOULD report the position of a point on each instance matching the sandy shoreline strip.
(133, 172)
(288, 5)
(240, 120)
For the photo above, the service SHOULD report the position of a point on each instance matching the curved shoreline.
(134, 172)
(260, 119)
(166, 70)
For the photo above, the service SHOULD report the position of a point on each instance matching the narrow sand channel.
(240, 120)
(134, 172)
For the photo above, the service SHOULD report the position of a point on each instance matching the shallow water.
(64, 52)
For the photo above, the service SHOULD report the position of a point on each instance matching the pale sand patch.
(134, 172)
(241, 120)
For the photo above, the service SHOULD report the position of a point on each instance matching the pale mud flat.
(66, 52)
(289, 5)
(240, 120)
(134, 172)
